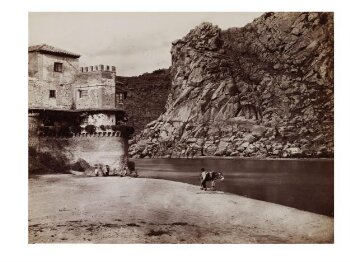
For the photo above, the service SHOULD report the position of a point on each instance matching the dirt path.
(73, 209)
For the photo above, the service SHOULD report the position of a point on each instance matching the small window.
(83, 93)
(85, 121)
(119, 98)
(58, 67)
(52, 94)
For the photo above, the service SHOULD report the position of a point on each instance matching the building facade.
(76, 113)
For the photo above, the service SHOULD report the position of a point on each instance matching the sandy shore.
(76, 209)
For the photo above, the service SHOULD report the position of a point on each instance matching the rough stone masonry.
(76, 115)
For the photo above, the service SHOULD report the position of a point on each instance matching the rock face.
(264, 90)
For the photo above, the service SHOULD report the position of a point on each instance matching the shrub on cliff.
(90, 129)
(129, 130)
(125, 130)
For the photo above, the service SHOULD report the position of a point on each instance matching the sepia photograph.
(180, 127)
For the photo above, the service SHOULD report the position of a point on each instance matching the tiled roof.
(44, 48)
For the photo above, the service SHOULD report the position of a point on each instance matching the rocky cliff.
(264, 90)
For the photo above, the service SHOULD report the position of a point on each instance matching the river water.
(302, 184)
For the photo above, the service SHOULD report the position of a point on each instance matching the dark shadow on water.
(303, 184)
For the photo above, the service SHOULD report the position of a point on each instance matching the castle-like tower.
(76, 113)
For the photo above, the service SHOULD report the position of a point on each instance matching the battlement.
(80, 134)
(34, 140)
(96, 68)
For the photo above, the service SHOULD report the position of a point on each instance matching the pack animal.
(213, 177)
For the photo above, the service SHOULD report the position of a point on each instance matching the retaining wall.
(94, 150)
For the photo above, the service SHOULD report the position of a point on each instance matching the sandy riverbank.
(76, 209)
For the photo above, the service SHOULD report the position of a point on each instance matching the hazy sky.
(134, 42)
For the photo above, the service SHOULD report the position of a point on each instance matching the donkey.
(213, 176)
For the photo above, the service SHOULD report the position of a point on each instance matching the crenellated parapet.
(96, 68)
(52, 132)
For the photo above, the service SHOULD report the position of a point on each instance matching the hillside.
(147, 95)
(263, 90)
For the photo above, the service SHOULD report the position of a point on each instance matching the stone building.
(76, 113)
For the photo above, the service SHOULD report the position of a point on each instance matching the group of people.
(205, 176)
(105, 171)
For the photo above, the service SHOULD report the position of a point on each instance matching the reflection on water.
(303, 184)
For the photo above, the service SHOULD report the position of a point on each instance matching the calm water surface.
(303, 184)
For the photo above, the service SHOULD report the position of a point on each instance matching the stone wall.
(100, 88)
(93, 78)
(93, 99)
(69, 70)
(33, 64)
(108, 98)
(55, 147)
(43, 78)
(33, 123)
(39, 95)
(66, 152)
(41, 66)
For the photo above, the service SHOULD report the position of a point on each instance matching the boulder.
(250, 138)
(294, 151)
(221, 149)
(258, 131)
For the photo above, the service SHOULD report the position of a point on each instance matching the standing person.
(96, 170)
(105, 170)
(203, 178)
(124, 172)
